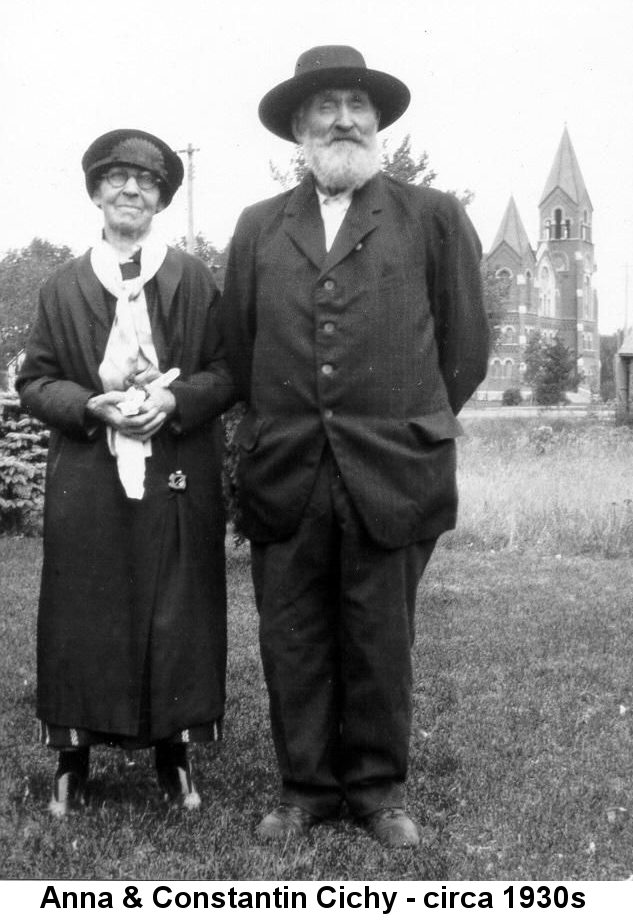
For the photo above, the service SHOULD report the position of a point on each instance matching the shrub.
(541, 437)
(549, 393)
(511, 397)
(23, 448)
(231, 420)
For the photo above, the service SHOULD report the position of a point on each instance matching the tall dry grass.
(560, 486)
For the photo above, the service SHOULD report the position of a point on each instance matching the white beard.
(341, 165)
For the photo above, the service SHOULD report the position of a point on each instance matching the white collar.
(341, 199)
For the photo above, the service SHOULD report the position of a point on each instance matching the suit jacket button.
(328, 413)
(327, 370)
(329, 285)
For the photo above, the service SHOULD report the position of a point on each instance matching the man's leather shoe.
(286, 821)
(392, 828)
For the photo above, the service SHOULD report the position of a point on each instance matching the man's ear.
(295, 125)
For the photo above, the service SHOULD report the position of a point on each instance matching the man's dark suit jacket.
(373, 347)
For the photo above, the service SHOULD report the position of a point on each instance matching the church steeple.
(512, 231)
(565, 206)
(565, 174)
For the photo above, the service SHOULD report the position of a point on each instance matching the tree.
(214, 259)
(533, 357)
(496, 289)
(609, 346)
(550, 368)
(22, 272)
(402, 166)
(294, 173)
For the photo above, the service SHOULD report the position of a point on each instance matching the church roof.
(626, 349)
(565, 173)
(512, 231)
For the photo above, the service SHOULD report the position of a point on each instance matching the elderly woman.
(124, 365)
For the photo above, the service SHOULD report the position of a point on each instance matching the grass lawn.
(521, 756)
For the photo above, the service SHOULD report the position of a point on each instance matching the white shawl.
(130, 356)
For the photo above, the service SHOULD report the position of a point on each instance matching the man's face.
(339, 117)
(127, 209)
(338, 128)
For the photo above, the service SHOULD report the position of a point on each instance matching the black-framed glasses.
(119, 175)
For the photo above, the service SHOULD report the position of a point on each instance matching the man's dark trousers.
(336, 629)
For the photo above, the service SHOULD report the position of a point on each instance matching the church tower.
(550, 290)
(566, 263)
(511, 259)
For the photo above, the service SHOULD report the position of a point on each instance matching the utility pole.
(190, 152)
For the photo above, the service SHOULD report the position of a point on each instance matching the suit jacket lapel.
(363, 216)
(167, 279)
(302, 221)
(93, 291)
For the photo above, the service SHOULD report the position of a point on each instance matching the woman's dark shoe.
(69, 783)
(174, 776)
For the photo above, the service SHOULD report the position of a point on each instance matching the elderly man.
(354, 326)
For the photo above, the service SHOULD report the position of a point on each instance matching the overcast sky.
(493, 84)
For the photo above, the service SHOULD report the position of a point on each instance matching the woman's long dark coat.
(131, 589)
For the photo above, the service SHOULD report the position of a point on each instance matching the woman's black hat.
(135, 148)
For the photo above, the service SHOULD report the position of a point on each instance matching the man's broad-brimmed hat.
(337, 67)
(132, 147)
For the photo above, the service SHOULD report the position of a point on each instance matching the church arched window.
(585, 227)
(546, 296)
(528, 289)
(586, 298)
(558, 224)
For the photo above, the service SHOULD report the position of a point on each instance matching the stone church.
(550, 288)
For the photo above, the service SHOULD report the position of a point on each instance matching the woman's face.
(127, 209)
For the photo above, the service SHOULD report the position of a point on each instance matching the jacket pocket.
(247, 432)
(438, 426)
